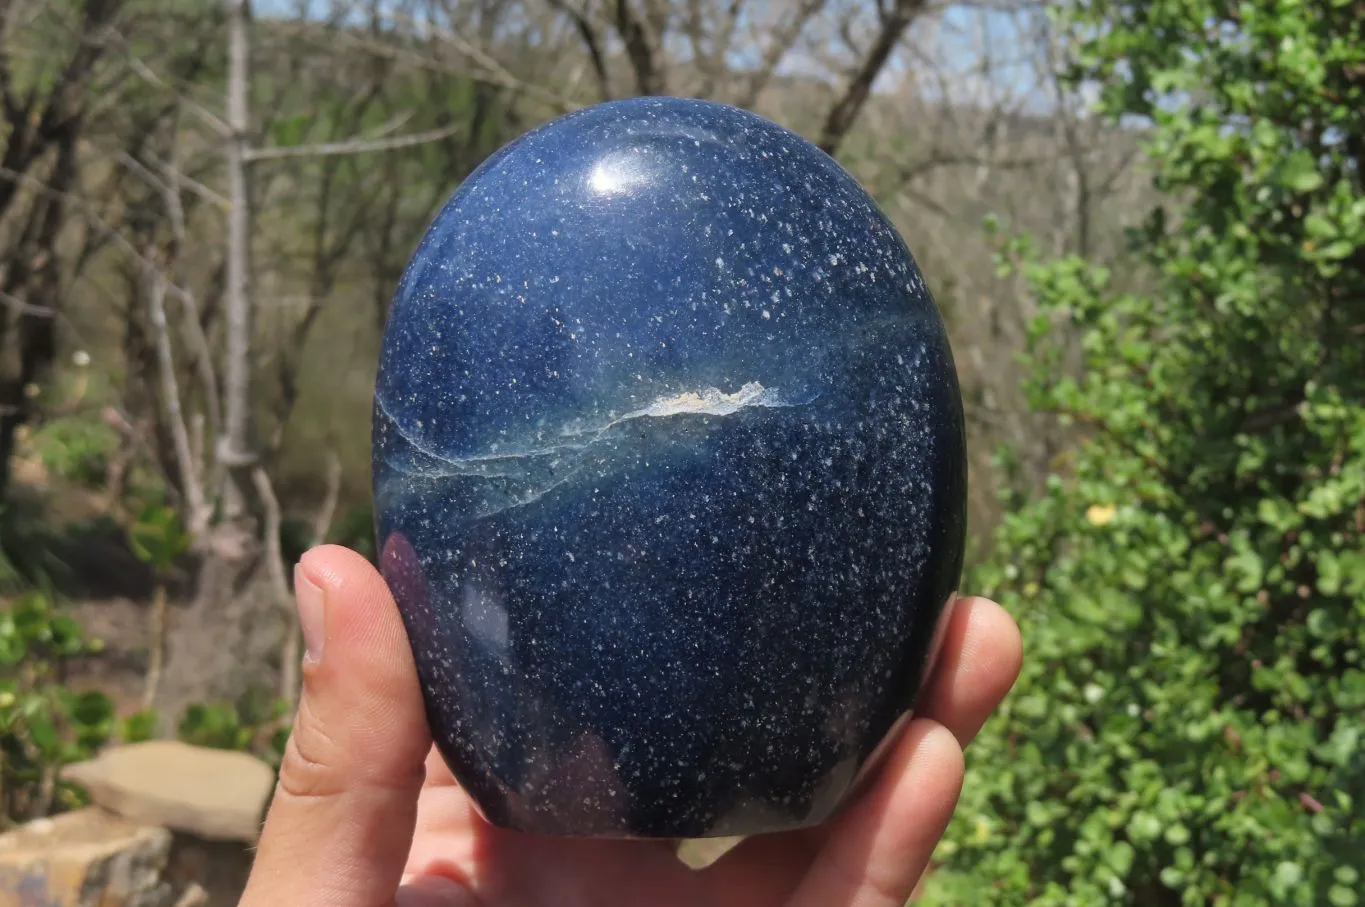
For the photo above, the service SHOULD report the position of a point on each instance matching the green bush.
(43, 724)
(258, 726)
(157, 537)
(215, 725)
(77, 449)
(1190, 724)
(46, 725)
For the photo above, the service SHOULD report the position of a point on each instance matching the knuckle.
(310, 767)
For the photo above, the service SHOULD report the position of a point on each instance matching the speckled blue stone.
(670, 476)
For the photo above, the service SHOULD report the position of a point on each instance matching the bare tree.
(691, 47)
(240, 629)
(43, 128)
(213, 646)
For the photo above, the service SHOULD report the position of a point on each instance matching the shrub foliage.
(1190, 724)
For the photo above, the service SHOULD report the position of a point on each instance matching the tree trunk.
(236, 447)
(224, 646)
(33, 277)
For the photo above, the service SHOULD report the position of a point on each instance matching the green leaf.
(1320, 227)
(1300, 173)
(1341, 896)
(1336, 251)
(92, 708)
(1120, 857)
(1144, 827)
(1287, 876)
(1329, 573)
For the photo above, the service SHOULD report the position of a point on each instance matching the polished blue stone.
(670, 475)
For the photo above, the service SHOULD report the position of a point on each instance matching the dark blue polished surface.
(670, 475)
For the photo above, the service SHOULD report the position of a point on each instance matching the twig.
(99, 224)
(355, 146)
(291, 651)
(496, 75)
(47, 789)
(156, 660)
(172, 176)
(190, 476)
(215, 122)
(389, 127)
(203, 356)
(197, 448)
(136, 437)
(274, 561)
(1264, 420)
(322, 523)
(21, 307)
(777, 49)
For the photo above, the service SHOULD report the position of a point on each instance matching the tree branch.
(777, 49)
(274, 554)
(15, 304)
(235, 445)
(354, 146)
(649, 77)
(845, 111)
(279, 583)
(322, 522)
(191, 476)
(169, 174)
(495, 74)
(212, 120)
(592, 41)
(103, 228)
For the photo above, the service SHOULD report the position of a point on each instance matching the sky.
(953, 41)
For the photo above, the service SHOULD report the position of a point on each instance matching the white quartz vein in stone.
(709, 402)
(544, 468)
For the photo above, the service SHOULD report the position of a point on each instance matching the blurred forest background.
(1144, 224)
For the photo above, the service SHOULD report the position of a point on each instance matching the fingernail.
(418, 890)
(312, 612)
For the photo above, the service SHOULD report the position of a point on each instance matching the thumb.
(340, 825)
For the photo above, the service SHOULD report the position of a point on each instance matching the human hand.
(366, 814)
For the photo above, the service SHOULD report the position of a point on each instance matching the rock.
(218, 869)
(669, 474)
(86, 858)
(217, 795)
